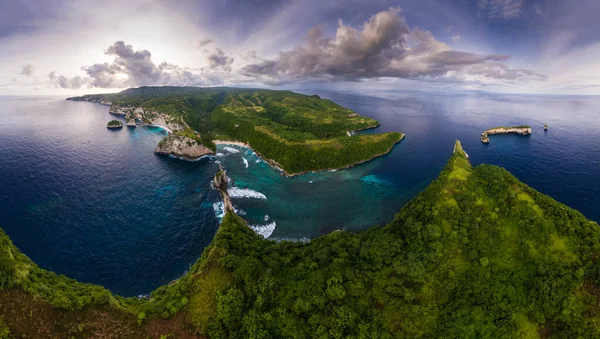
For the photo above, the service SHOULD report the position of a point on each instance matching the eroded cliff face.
(182, 147)
(504, 130)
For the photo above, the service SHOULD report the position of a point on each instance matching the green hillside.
(299, 133)
(476, 255)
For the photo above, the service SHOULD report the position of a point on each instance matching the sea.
(99, 206)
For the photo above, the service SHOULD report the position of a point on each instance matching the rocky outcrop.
(523, 130)
(220, 182)
(182, 147)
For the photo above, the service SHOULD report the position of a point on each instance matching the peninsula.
(523, 130)
(296, 133)
(477, 254)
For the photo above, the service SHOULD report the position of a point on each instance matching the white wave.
(310, 182)
(220, 155)
(245, 162)
(258, 160)
(264, 230)
(236, 192)
(231, 149)
(219, 208)
(217, 162)
(267, 218)
(161, 127)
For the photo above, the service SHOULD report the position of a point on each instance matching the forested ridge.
(299, 132)
(476, 255)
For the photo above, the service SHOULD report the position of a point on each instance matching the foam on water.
(245, 162)
(231, 149)
(264, 230)
(239, 193)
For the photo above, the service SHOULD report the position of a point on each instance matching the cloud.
(202, 43)
(64, 82)
(385, 46)
(27, 70)
(217, 59)
(501, 9)
(134, 68)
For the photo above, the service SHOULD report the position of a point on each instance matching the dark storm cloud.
(133, 68)
(27, 70)
(384, 46)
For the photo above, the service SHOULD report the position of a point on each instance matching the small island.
(114, 124)
(522, 130)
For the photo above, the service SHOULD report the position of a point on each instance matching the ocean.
(99, 206)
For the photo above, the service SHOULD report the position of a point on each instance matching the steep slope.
(477, 254)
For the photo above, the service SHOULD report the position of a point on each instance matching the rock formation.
(220, 182)
(523, 130)
(182, 147)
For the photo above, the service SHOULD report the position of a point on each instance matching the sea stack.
(220, 182)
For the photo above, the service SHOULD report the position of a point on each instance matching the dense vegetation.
(114, 124)
(298, 132)
(476, 255)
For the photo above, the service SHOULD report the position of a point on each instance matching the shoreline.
(278, 167)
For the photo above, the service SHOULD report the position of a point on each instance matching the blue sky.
(522, 46)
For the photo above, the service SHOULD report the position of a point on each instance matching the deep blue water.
(99, 206)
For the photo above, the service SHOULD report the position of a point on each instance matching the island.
(293, 132)
(477, 254)
(522, 130)
(114, 124)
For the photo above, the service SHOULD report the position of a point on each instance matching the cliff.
(182, 147)
(523, 130)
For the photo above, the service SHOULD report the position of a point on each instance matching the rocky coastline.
(522, 130)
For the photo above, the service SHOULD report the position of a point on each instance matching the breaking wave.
(245, 162)
(236, 192)
(264, 230)
(219, 208)
(231, 149)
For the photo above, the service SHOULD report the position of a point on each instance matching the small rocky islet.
(114, 124)
(522, 130)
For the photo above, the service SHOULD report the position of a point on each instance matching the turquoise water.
(99, 206)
